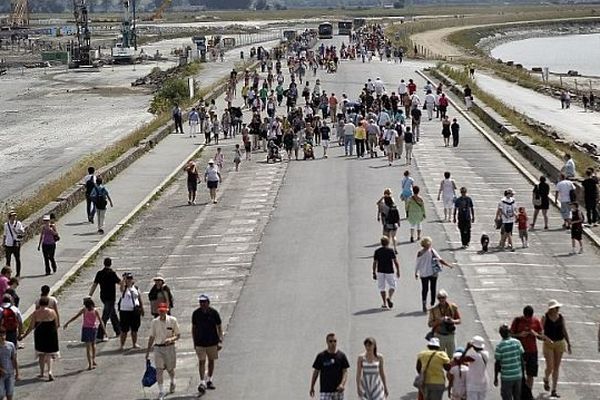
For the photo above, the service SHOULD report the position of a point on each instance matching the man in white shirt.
(379, 87)
(477, 376)
(164, 332)
(389, 138)
(569, 168)
(11, 240)
(349, 129)
(402, 90)
(563, 194)
(507, 209)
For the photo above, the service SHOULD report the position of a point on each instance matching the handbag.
(419, 380)
(537, 200)
(435, 265)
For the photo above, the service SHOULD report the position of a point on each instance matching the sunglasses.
(332, 341)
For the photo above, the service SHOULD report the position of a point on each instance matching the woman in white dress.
(371, 382)
(447, 193)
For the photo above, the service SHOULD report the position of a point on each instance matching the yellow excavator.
(158, 14)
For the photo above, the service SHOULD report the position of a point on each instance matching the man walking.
(90, 183)
(8, 366)
(509, 364)
(384, 261)
(443, 318)
(349, 129)
(13, 234)
(563, 193)
(527, 329)
(101, 199)
(477, 377)
(590, 196)
(506, 215)
(463, 209)
(194, 122)
(331, 367)
(208, 338)
(164, 332)
(177, 118)
(108, 279)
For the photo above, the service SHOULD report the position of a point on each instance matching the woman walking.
(371, 382)
(446, 131)
(415, 213)
(388, 214)
(448, 194)
(406, 185)
(48, 238)
(427, 267)
(44, 323)
(556, 341)
(89, 329)
(192, 181)
(131, 310)
(541, 201)
(159, 293)
(212, 176)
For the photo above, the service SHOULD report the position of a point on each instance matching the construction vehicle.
(81, 50)
(160, 11)
(126, 46)
(19, 13)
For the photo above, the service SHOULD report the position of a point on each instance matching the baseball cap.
(203, 297)
(163, 307)
(211, 161)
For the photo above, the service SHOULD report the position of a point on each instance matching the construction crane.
(80, 51)
(160, 11)
(126, 46)
(19, 13)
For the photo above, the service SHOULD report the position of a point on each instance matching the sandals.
(546, 385)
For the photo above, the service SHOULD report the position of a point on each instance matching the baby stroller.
(273, 154)
(308, 151)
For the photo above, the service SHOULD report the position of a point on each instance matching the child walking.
(576, 227)
(89, 328)
(237, 157)
(219, 159)
(522, 226)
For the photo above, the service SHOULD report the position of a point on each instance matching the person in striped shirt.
(509, 363)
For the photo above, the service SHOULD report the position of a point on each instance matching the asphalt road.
(286, 256)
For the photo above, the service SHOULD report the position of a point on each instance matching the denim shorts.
(7, 385)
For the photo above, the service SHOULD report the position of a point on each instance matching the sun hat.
(457, 355)
(553, 304)
(12, 212)
(434, 342)
(203, 297)
(478, 342)
(211, 161)
(158, 278)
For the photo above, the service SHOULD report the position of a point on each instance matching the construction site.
(68, 85)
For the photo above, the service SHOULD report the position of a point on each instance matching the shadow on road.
(371, 311)
(416, 313)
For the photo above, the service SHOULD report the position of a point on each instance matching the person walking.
(457, 377)
(192, 181)
(48, 238)
(432, 365)
(44, 322)
(8, 366)
(131, 310)
(108, 280)
(390, 136)
(207, 334)
(429, 104)
(569, 168)
(194, 122)
(509, 364)
(101, 199)
(90, 183)
(415, 123)
(389, 216)
(11, 320)
(564, 193)
(371, 382)
(349, 130)
(443, 318)
(477, 377)
(11, 240)
(463, 209)
(446, 130)
(408, 144)
(360, 136)
(447, 192)
(505, 213)
(455, 130)
(331, 368)
(427, 268)
(415, 213)
(160, 293)
(89, 329)
(52, 302)
(528, 329)
(468, 95)
(576, 228)
(541, 201)
(556, 342)
(384, 261)
(443, 106)
(164, 332)
(590, 196)
(212, 176)
(177, 118)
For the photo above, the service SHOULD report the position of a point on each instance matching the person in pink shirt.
(89, 329)
(5, 274)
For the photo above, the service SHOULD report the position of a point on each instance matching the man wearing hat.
(477, 377)
(159, 293)
(208, 338)
(212, 176)
(443, 319)
(433, 364)
(13, 234)
(509, 364)
(164, 332)
(507, 209)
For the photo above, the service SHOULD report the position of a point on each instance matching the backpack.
(408, 137)
(100, 198)
(89, 186)
(393, 216)
(9, 321)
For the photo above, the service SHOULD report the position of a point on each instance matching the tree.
(399, 4)
(261, 5)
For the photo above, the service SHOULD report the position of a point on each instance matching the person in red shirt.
(522, 225)
(528, 329)
(412, 87)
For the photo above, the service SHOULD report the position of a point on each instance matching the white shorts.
(383, 279)
(416, 226)
(325, 143)
(448, 202)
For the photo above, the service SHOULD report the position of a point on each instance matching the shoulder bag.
(435, 263)
(420, 378)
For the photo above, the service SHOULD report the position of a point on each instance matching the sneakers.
(390, 303)
(210, 385)
(202, 388)
(172, 387)
(161, 396)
